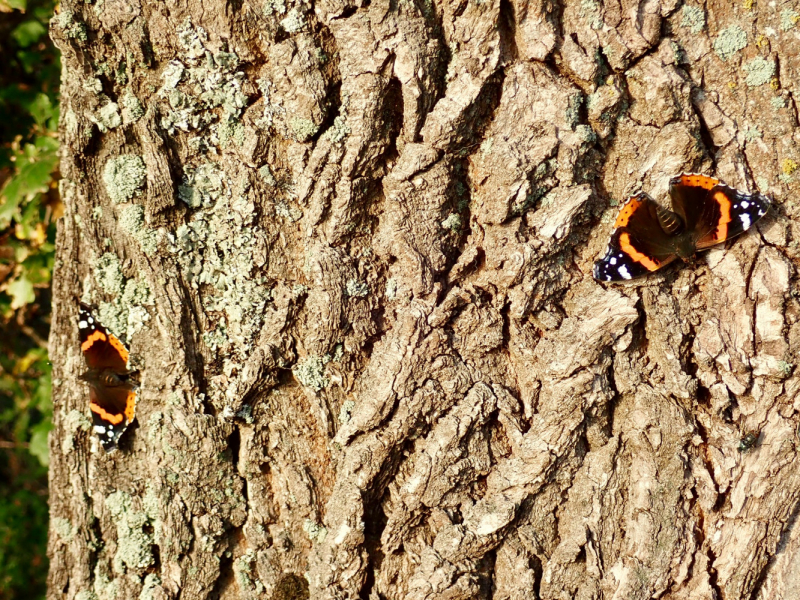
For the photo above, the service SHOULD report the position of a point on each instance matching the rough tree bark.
(350, 248)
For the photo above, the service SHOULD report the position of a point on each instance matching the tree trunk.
(350, 249)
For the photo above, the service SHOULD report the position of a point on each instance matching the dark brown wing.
(638, 245)
(688, 193)
(728, 213)
(113, 410)
(101, 348)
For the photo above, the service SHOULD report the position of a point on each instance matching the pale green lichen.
(590, 10)
(131, 306)
(778, 102)
(339, 130)
(785, 368)
(192, 39)
(73, 29)
(693, 18)
(108, 273)
(229, 131)
(266, 174)
(132, 220)
(132, 109)
(86, 595)
(678, 55)
(789, 19)
(203, 185)
(270, 109)
(199, 84)
(752, 133)
(574, 109)
(356, 289)
(63, 528)
(104, 587)
(391, 288)
(730, 41)
(125, 315)
(134, 541)
(586, 134)
(214, 251)
(317, 532)
(272, 7)
(97, 213)
(336, 356)
(124, 177)
(302, 129)
(216, 338)
(288, 211)
(759, 71)
(346, 411)
(295, 21)
(311, 373)
(108, 117)
(152, 583)
(243, 571)
(93, 85)
(452, 222)
(172, 76)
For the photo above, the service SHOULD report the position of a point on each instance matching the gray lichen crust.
(124, 177)
(730, 41)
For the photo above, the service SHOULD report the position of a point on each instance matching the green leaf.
(38, 445)
(42, 109)
(28, 33)
(35, 165)
(21, 292)
(19, 5)
(8, 208)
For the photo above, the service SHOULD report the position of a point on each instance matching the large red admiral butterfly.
(704, 212)
(112, 392)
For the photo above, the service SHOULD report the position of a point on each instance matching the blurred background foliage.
(29, 207)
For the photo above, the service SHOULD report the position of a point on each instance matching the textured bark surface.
(350, 248)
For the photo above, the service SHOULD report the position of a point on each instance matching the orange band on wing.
(106, 416)
(725, 216)
(626, 246)
(123, 353)
(130, 406)
(701, 181)
(97, 335)
(631, 206)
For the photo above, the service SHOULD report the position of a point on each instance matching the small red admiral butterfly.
(704, 212)
(112, 393)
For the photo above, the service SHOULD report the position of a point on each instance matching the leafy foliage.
(29, 207)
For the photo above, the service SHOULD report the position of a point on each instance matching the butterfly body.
(112, 391)
(646, 236)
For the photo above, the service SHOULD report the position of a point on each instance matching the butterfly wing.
(113, 410)
(728, 213)
(688, 193)
(101, 348)
(638, 244)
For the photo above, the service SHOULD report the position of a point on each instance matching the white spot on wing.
(745, 204)
(613, 260)
(99, 429)
(746, 222)
(83, 324)
(623, 271)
